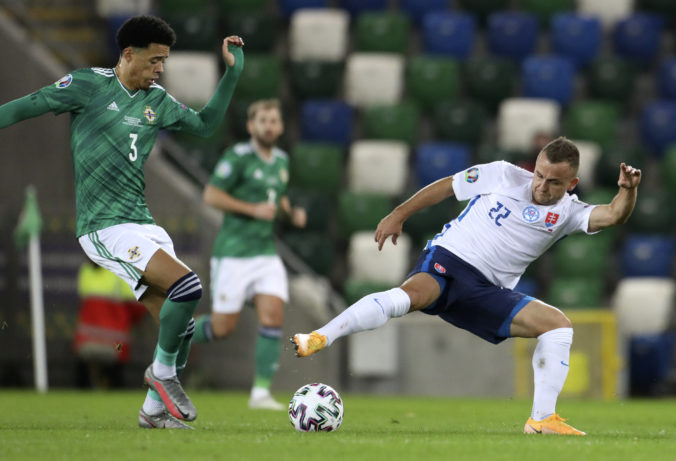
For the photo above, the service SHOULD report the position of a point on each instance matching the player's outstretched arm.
(392, 224)
(619, 210)
(23, 108)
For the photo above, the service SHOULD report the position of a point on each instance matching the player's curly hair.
(141, 31)
(562, 149)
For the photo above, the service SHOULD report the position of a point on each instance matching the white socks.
(163, 371)
(370, 312)
(550, 369)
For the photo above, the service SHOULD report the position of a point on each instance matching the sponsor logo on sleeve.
(439, 268)
(64, 81)
(223, 169)
(472, 175)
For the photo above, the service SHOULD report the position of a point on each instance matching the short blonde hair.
(263, 104)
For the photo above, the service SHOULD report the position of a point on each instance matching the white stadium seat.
(374, 79)
(108, 8)
(590, 153)
(379, 167)
(367, 264)
(520, 119)
(643, 305)
(318, 34)
(608, 11)
(191, 77)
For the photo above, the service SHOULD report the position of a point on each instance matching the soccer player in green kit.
(249, 185)
(115, 117)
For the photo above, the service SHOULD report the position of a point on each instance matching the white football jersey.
(501, 230)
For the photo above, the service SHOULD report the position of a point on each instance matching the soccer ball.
(316, 407)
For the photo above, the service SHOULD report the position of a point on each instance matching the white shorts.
(236, 280)
(126, 249)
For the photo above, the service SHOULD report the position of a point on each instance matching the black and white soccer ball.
(316, 407)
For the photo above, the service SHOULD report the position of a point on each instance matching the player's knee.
(222, 326)
(557, 320)
(187, 288)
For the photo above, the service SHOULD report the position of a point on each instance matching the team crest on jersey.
(134, 253)
(472, 175)
(258, 174)
(150, 115)
(551, 219)
(530, 214)
(439, 268)
(64, 82)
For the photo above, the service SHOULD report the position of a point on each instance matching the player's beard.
(265, 142)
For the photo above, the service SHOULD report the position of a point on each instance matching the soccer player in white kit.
(467, 272)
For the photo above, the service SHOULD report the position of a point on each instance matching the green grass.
(75, 426)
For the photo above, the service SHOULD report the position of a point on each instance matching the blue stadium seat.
(576, 36)
(356, 7)
(448, 33)
(657, 123)
(288, 7)
(512, 34)
(638, 36)
(549, 77)
(416, 9)
(435, 160)
(646, 255)
(327, 120)
(666, 78)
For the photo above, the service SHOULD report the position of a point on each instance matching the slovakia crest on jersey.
(472, 175)
(439, 268)
(551, 219)
(64, 81)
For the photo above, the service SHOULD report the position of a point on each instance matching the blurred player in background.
(249, 186)
(115, 117)
(466, 273)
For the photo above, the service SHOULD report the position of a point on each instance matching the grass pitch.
(74, 426)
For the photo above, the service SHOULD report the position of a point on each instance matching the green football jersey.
(245, 175)
(112, 133)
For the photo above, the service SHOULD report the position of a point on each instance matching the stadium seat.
(666, 78)
(548, 77)
(388, 266)
(668, 170)
(237, 118)
(397, 122)
(261, 77)
(260, 29)
(374, 79)
(354, 289)
(611, 78)
(664, 7)
(111, 8)
(382, 31)
(319, 206)
(357, 211)
(651, 363)
(576, 293)
(608, 168)
(316, 166)
(359, 7)
(634, 315)
(195, 29)
(461, 121)
(430, 79)
(512, 34)
(591, 120)
(436, 160)
(326, 120)
(483, 8)
(378, 167)
(520, 119)
(576, 37)
(638, 37)
(315, 79)
(657, 121)
(653, 213)
(580, 255)
(448, 33)
(490, 79)
(318, 34)
(417, 9)
(609, 11)
(544, 10)
(426, 223)
(191, 77)
(230, 6)
(590, 153)
(290, 7)
(314, 248)
(644, 255)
